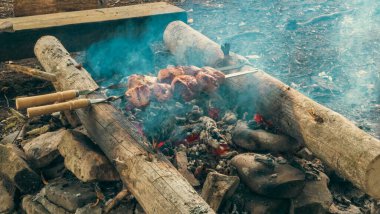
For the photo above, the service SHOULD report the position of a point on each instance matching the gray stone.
(269, 176)
(315, 197)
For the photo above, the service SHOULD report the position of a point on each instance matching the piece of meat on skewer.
(137, 80)
(167, 75)
(209, 79)
(185, 86)
(162, 91)
(207, 82)
(139, 96)
(220, 77)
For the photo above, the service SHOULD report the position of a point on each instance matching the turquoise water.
(329, 50)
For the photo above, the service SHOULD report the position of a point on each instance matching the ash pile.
(239, 162)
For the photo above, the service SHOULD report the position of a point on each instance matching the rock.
(42, 150)
(261, 140)
(218, 187)
(258, 204)
(17, 170)
(32, 207)
(85, 159)
(269, 177)
(70, 195)
(182, 162)
(315, 197)
(7, 192)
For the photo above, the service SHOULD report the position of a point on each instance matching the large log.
(353, 153)
(155, 183)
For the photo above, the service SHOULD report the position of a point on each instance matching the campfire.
(214, 135)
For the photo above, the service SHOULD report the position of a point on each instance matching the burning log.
(218, 188)
(331, 137)
(182, 162)
(155, 183)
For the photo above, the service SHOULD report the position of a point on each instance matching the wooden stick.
(156, 184)
(350, 151)
(115, 201)
(32, 72)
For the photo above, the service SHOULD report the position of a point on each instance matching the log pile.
(186, 141)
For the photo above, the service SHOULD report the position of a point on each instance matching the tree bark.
(353, 153)
(156, 184)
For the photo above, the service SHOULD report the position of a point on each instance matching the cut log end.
(373, 178)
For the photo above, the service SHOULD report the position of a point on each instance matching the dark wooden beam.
(80, 29)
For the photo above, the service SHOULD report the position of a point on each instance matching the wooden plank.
(36, 7)
(80, 29)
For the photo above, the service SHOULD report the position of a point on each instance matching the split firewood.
(84, 159)
(218, 188)
(182, 162)
(315, 197)
(40, 199)
(266, 176)
(31, 206)
(261, 140)
(32, 72)
(7, 192)
(13, 166)
(42, 150)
